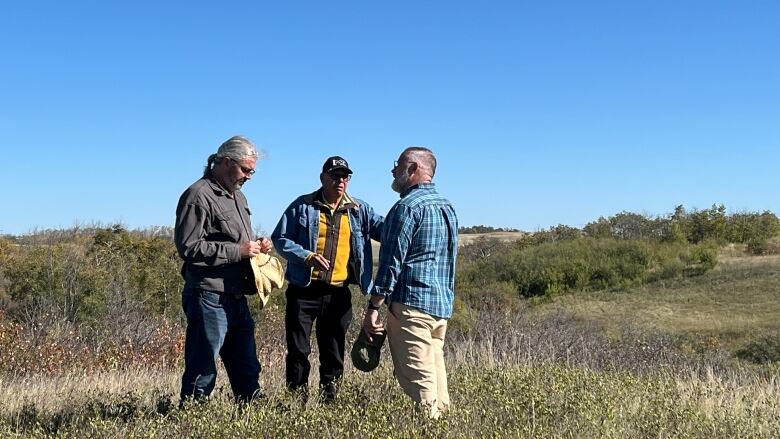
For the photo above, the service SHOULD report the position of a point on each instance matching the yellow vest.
(333, 242)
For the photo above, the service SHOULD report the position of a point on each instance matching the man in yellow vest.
(326, 238)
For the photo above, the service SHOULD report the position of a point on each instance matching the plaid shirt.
(419, 247)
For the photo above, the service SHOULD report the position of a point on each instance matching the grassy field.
(655, 361)
(736, 301)
(489, 400)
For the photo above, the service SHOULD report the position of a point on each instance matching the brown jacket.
(210, 225)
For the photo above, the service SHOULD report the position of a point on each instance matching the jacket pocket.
(223, 224)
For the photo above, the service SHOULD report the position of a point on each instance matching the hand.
(265, 245)
(319, 262)
(249, 249)
(372, 323)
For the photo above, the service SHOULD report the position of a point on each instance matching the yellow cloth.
(269, 274)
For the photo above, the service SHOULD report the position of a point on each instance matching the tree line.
(113, 278)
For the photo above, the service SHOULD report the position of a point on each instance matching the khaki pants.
(417, 347)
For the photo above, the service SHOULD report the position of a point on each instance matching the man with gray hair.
(213, 236)
(416, 279)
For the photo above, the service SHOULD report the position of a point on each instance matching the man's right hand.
(318, 262)
(249, 249)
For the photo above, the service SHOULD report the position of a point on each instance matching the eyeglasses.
(247, 171)
(336, 177)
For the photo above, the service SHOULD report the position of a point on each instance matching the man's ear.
(220, 166)
(322, 178)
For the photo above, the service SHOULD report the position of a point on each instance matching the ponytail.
(209, 164)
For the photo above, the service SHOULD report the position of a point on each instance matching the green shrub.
(751, 227)
(578, 264)
(701, 258)
(80, 275)
(688, 226)
(463, 317)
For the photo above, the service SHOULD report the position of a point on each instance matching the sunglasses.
(339, 176)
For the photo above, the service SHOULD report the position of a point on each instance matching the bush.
(701, 258)
(683, 226)
(463, 317)
(751, 227)
(760, 247)
(763, 349)
(580, 264)
(82, 275)
(492, 295)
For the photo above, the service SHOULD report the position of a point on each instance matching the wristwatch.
(372, 306)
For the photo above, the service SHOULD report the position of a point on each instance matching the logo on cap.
(335, 162)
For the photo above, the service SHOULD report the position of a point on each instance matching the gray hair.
(423, 157)
(236, 148)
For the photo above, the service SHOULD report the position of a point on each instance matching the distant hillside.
(468, 238)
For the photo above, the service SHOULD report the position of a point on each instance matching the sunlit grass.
(741, 297)
(499, 401)
(541, 371)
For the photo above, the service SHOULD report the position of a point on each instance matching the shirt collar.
(421, 186)
(217, 188)
(346, 200)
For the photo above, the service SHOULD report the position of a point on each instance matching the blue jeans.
(219, 324)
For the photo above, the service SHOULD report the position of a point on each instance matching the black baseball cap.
(335, 163)
(366, 351)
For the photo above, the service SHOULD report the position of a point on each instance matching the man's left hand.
(372, 324)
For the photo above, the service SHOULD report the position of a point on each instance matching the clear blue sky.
(540, 113)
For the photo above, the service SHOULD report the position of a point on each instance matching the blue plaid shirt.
(419, 247)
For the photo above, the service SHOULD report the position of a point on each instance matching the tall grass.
(624, 361)
(521, 374)
(493, 399)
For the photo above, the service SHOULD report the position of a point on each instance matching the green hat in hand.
(366, 350)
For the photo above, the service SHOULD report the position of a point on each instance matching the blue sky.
(540, 113)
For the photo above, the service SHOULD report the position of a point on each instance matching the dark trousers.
(331, 308)
(219, 324)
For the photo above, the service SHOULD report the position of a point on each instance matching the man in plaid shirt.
(416, 279)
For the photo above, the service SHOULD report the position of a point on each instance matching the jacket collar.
(316, 197)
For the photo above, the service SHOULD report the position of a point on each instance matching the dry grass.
(52, 394)
(490, 399)
(730, 393)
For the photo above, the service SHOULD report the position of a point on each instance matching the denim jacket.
(295, 238)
